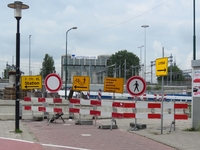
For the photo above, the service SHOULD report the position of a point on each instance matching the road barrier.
(99, 94)
(128, 105)
(44, 109)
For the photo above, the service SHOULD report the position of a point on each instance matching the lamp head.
(74, 27)
(18, 6)
(145, 26)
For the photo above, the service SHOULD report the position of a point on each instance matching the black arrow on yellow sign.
(79, 87)
(163, 70)
(30, 86)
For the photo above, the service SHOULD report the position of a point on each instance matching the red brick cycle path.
(67, 135)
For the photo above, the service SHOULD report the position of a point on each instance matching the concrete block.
(108, 127)
(84, 122)
(139, 125)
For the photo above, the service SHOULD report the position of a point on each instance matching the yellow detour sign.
(81, 83)
(114, 85)
(162, 66)
(31, 82)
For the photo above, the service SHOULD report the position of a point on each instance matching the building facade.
(84, 66)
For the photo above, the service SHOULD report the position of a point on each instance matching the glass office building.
(84, 66)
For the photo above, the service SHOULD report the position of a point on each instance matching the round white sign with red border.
(53, 82)
(136, 85)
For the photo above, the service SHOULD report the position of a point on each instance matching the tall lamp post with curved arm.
(17, 6)
(66, 63)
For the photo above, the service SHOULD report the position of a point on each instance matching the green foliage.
(6, 72)
(148, 88)
(179, 75)
(190, 129)
(18, 131)
(131, 59)
(157, 87)
(48, 66)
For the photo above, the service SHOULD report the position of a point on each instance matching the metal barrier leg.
(173, 123)
(50, 120)
(113, 120)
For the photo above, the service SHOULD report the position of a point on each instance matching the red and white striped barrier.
(43, 109)
(99, 94)
(128, 105)
(43, 100)
(88, 95)
(128, 115)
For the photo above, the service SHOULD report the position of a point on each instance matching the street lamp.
(66, 63)
(120, 66)
(18, 6)
(140, 47)
(194, 36)
(145, 26)
(29, 55)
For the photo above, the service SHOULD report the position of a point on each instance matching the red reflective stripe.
(93, 102)
(154, 116)
(27, 99)
(74, 110)
(181, 106)
(154, 105)
(41, 100)
(76, 101)
(179, 116)
(95, 112)
(58, 110)
(57, 100)
(27, 107)
(129, 115)
(43, 109)
(117, 115)
(129, 105)
(117, 104)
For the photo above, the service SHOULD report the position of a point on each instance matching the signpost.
(162, 66)
(53, 82)
(81, 83)
(114, 85)
(136, 86)
(31, 82)
(162, 70)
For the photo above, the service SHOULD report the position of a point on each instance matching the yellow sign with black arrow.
(162, 66)
(81, 83)
(31, 82)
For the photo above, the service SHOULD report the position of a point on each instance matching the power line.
(124, 21)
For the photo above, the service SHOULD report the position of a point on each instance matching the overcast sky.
(104, 27)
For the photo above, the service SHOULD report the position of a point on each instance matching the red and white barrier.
(99, 94)
(43, 109)
(43, 100)
(88, 95)
(128, 105)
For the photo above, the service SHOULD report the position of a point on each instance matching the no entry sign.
(136, 85)
(53, 82)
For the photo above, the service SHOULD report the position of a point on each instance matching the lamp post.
(18, 6)
(194, 36)
(66, 63)
(140, 47)
(29, 55)
(145, 26)
(120, 66)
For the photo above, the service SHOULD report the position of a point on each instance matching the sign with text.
(81, 83)
(162, 66)
(114, 85)
(31, 82)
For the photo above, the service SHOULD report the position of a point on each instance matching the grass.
(18, 131)
(190, 129)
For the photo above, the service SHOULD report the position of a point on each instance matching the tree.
(131, 59)
(47, 66)
(176, 72)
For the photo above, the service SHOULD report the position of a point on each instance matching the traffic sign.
(114, 85)
(81, 83)
(53, 82)
(31, 82)
(136, 85)
(162, 66)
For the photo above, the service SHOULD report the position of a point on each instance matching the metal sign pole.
(162, 97)
(135, 113)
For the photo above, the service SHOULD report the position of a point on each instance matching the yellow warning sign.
(162, 66)
(81, 83)
(114, 85)
(31, 82)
